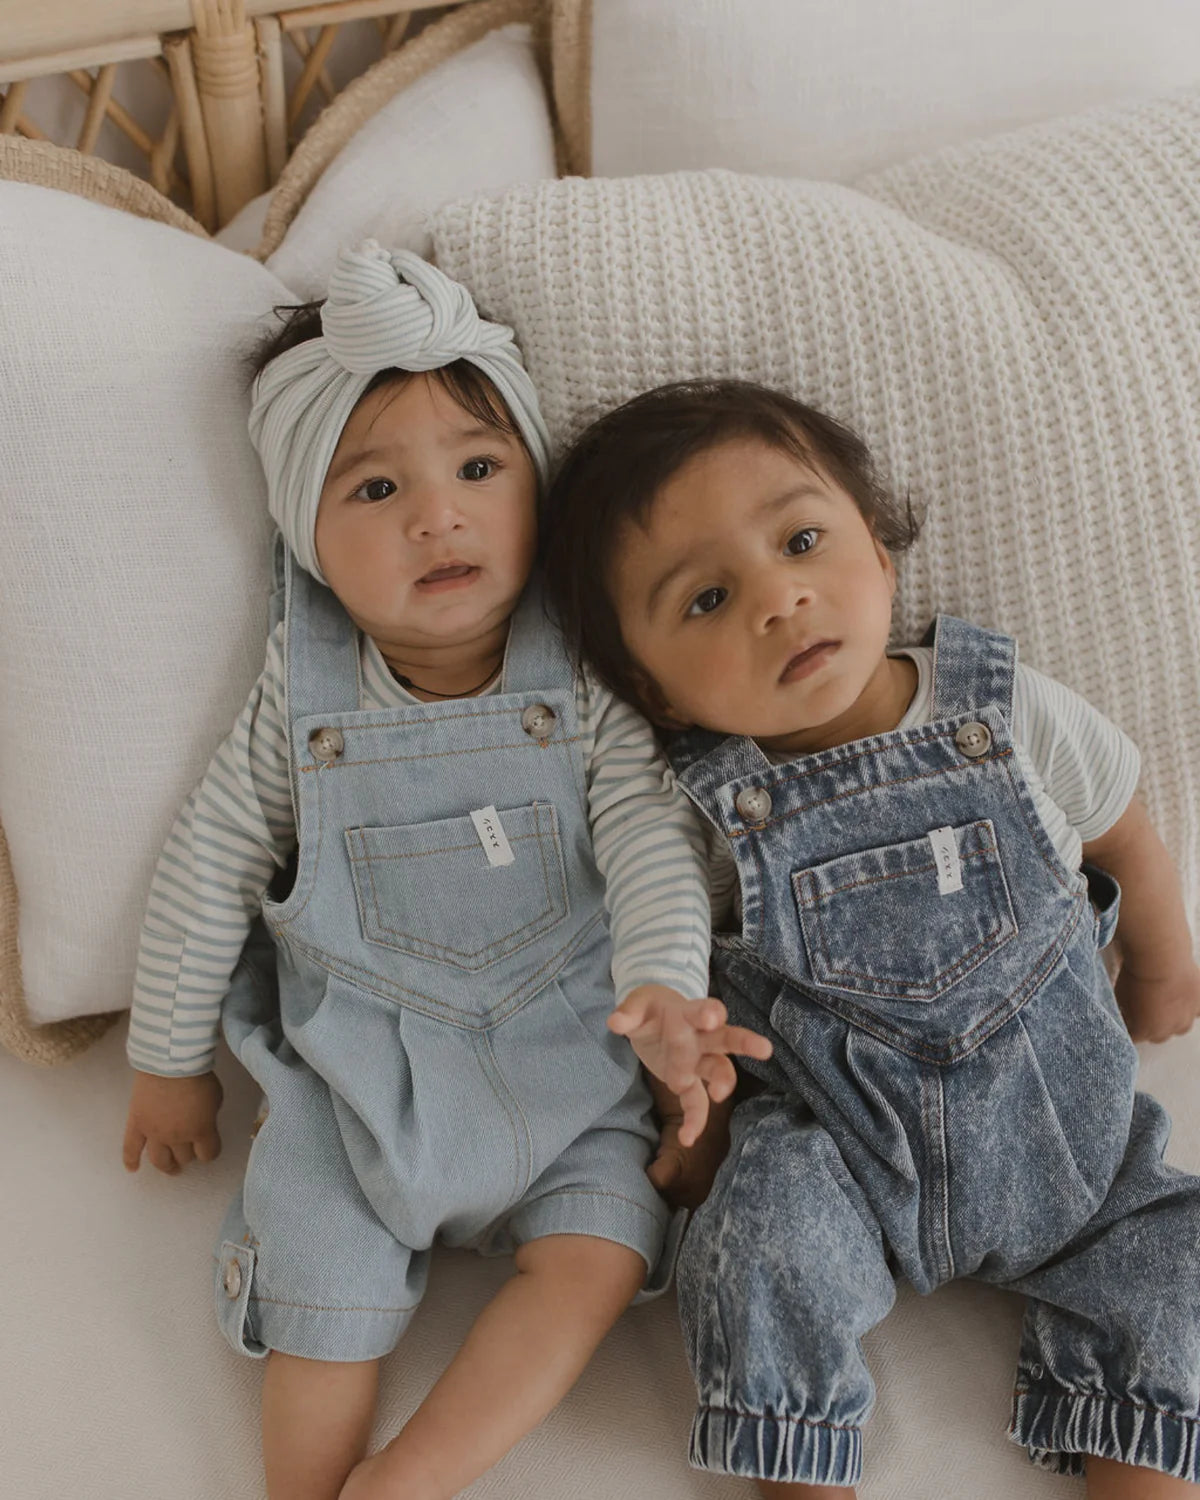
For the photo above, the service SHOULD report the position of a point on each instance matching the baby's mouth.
(808, 661)
(448, 575)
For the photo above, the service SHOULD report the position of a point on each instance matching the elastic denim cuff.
(788, 1450)
(1060, 1428)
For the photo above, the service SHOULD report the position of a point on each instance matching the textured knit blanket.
(1014, 326)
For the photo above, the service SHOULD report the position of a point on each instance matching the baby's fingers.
(132, 1147)
(705, 1014)
(162, 1157)
(738, 1040)
(208, 1146)
(694, 1100)
(665, 1168)
(629, 1015)
(719, 1075)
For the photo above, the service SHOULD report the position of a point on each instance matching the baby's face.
(427, 524)
(758, 601)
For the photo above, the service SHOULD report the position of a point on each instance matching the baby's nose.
(781, 593)
(433, 512)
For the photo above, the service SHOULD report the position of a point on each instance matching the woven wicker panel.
(46, 165)
(121, 106)
(208, 114)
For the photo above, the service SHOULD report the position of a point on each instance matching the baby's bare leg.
(525, 1351)
(316, 1419)
(1109, 1480)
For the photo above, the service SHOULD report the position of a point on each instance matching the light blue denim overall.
(952, 1094)
(427, 1027)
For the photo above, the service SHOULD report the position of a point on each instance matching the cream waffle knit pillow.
(1014, 326)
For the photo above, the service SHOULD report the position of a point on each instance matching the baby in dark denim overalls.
(919, 844)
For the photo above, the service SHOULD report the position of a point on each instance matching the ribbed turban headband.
(384, 311)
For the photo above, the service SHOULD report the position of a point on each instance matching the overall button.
(538, 720)
(753, 804)
(326, 745)
(974, 740)
(233, 1279)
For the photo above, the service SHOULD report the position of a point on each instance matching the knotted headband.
(384, 311)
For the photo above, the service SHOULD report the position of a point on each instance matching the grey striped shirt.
(238, 827)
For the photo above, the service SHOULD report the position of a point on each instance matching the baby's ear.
(652, 702)
(887, 563)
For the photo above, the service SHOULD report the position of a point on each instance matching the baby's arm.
(650, 849)
(1158, 988)
(235, 829)
(1090, 770)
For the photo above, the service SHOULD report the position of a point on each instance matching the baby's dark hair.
(617, 467)
(464, 382)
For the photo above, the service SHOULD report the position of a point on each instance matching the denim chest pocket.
(876, 923)
(429, 889)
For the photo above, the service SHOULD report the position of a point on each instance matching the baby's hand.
(174, 1120)
(1156, 1009)
(684, 1174)
(687, 1044)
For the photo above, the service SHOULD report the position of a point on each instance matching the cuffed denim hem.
(1060, 1428)
(788, 1450)
(256, 1325)
(604, 1215)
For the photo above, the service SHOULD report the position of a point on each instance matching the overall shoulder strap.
(972, 667)
(321, 661)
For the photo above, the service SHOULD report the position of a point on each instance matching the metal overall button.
(974, 740)
(326, 745)
(753, 804)
(538, 721)
(233, 1279)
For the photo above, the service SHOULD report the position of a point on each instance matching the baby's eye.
(375, 489)
(476, 469)
(705, 603)
(801, 541)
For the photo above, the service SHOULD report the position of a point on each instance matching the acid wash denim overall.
(427, 1026)
(951, 1094)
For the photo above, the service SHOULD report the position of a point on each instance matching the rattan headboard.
(235, 112)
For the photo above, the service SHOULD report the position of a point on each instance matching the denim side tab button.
(753, 804)
(974, 740)
(233, 1279)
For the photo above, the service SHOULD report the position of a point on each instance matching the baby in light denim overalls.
(440, 822)
(924, 849)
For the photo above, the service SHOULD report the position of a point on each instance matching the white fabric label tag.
(492, 836)
(945, 856)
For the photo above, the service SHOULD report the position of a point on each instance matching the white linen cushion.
(1014, 327)
(829, 89)
(477, 123)
(134, 553)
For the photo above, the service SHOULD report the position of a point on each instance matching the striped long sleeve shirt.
(238, 827)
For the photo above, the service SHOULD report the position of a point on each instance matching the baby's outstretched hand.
(174, 1120)
(687, 1044)
(1159, 1007)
